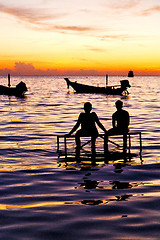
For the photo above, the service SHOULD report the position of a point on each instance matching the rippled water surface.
(42, 196)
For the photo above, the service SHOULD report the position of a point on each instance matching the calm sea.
(44, 197)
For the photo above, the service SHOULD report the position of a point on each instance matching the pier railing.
(106, 140)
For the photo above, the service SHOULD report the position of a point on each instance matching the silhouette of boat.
(17, 91)
(109, 90)
(130, 74)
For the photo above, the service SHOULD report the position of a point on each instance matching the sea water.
(44, 197)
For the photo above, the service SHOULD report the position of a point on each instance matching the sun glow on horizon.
(80, 38)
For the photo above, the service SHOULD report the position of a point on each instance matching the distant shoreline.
(64, 75)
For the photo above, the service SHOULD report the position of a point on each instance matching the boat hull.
(82, 88)
(17, 91)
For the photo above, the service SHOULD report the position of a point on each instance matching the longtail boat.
(17, 91)
(109, 90)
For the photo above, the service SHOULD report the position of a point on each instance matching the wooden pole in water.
(65, 146)
(140, 139)
(106, 80)
(9, 80)
(57, 143)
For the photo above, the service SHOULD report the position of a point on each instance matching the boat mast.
(106, 80)
(9, 80)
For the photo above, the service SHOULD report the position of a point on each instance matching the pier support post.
(140, 138)
(57, 143)
(105, 145)
(129, 143)
(65, 146)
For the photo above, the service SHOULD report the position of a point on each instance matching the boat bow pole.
(67, 81)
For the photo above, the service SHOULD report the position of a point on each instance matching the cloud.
(124, 4)
(96, 49)
(22, 68)
(30, 15)
(75, 28)
(41, 19)
(150, 11)
(63, 29)
(115, 37)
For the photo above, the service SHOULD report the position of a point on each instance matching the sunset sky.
(79, 37)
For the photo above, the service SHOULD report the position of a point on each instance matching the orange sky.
(79, 37)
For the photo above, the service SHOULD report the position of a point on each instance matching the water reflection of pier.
(90, 185)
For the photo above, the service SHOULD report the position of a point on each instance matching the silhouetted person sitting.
(87, 120)
(120, 123)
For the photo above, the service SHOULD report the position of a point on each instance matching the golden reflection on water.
(152, 183)
(13, 167)
(48, 204)
(91, 202)
(34, 205)
(83, 202)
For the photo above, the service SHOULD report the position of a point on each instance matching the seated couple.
(88, 121)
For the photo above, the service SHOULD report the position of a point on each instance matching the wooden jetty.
(62, 141)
